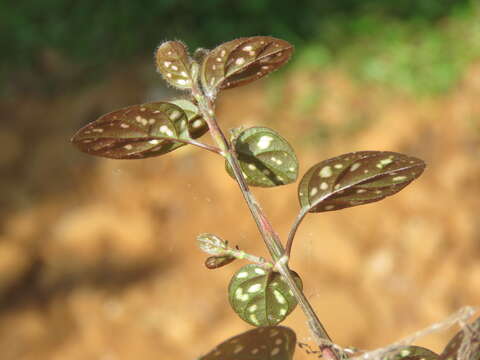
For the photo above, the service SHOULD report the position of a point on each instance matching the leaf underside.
(242, 61)
(266, 159)
(264, 343)
(261, 297)
(355, 179)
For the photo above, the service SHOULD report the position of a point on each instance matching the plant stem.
(206, 147)
(257, 260)
(211, 148)
(291, 235)
(270, 237)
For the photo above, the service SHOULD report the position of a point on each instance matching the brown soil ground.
(98, 257)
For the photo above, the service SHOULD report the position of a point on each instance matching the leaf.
(215, 262)
(261, 297)
(174, 64)
(264, 343)
(197, 126)
(135, 132)
(212, 244)
(413, 353)
(472, 345)
(355, 179)
(266, 158)
(199, 54)
(242, 61)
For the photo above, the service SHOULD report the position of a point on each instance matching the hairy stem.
(270, 237)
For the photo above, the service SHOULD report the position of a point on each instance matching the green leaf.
(135, 132)
(266, 158)
(174, 64)
(264, 343)
(241, 61)
(197, 126)
(472, 344)
(413, 353)
(261, 297)
(355, 179)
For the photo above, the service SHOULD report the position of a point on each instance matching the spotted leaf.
(356, 178)
(197, 126)
(264, 343)
(135, 132)
(217, 261)
(261, 297)
(266, 158)
(413, 353)
(242, 61)
(174, 64)
(471, 344)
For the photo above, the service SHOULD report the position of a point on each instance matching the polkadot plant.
(264, 292)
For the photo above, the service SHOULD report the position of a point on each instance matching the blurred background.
(98, 257)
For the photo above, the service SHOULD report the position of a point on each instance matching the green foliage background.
(101, 33)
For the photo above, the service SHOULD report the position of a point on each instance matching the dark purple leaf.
(135, 132)
(356, 178)
(242, 61)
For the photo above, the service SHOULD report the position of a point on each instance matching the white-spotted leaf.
(266, 159)
(242, 61)
(174, 64)
(413, 353)
(135, 132)
(264, 343)
(356, 178)
(197, 126)
(261, 297)
(468, 339)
